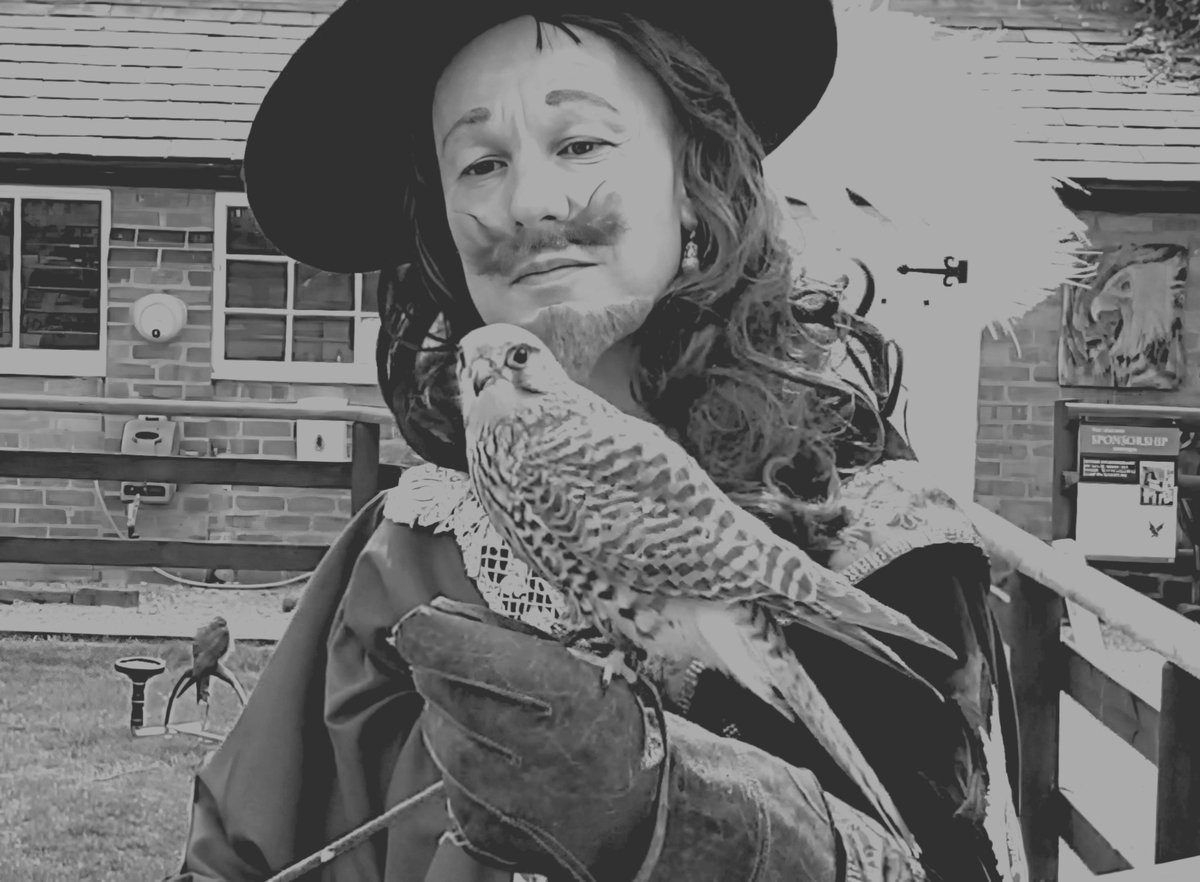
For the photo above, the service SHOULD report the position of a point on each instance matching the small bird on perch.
(210, 646)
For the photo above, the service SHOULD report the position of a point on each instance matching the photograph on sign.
(1127, 496)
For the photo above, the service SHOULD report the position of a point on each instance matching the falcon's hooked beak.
(481, 379)
(481, 373)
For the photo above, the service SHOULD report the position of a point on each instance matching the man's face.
(559, 175)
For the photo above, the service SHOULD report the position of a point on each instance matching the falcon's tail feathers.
(862, 641)
(749, 646)
(858, 608)
(851, 634)
(815, 589)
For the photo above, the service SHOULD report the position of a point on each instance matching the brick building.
(1134, 140)
(119, 162)
(121, 130)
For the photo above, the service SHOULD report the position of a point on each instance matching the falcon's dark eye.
(518, 356)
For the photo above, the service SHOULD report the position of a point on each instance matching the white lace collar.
(431, 496)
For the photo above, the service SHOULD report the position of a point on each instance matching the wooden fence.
(363, 476)
(1045, 579)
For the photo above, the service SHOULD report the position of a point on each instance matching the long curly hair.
(734, 359)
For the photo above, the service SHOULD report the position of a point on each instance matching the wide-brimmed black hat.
(328, 162)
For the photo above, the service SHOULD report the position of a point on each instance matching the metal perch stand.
(141, 670)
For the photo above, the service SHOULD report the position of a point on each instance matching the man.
(597, 179)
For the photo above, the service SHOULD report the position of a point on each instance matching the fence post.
(364, 465)
(1035, 615)
(1177, 829)
(1062, 520)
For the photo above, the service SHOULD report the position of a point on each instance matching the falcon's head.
(501, 367)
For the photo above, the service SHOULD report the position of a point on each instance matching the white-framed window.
(278, 320)
(54, 280)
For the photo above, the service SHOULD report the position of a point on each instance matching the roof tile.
(181, 79)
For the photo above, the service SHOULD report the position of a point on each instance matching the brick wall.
(1018, 386)
(162, 241)
(1017, 389)
(42, 507)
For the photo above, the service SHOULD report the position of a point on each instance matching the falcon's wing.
(643, 514)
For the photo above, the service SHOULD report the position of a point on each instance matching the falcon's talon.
(615, 663)
(587, 635)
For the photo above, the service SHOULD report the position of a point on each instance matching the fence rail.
(363, 476)
(251, 410)
(1044, 583)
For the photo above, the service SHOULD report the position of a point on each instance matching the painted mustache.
(502, 258)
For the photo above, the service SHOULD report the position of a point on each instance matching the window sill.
(51, 363)
(311, 373)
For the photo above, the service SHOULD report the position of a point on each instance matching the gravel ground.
(177, 610)
(162, 611)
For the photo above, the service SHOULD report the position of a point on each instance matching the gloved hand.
(547, 773)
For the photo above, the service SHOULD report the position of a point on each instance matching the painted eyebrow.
(554, 98)
(472, 117)
(563, 96)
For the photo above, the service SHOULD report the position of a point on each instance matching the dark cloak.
(329, 738)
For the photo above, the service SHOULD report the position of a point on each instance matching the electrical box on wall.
(322, 440)
(149, 436)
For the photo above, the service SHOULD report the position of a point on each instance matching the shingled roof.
(1088, 114)
(180, 79)
(171, 79)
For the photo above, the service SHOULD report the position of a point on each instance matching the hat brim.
(327, 162)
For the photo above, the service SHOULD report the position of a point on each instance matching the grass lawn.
(79, 797)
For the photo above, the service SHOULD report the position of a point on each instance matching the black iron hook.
(952, 271)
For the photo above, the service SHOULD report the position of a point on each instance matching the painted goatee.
(579, 333)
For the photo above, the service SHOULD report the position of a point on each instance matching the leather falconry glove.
(548, 773)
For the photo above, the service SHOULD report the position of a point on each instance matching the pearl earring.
(691, 255)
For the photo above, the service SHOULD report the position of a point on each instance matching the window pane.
(318, 339)
(242, 235)
(368, 337)
(60, 274)
(6, 272)
(256, 284)
(317, 289)
(371, 293)
(255, 337)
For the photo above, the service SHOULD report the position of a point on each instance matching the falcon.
(647, 548)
